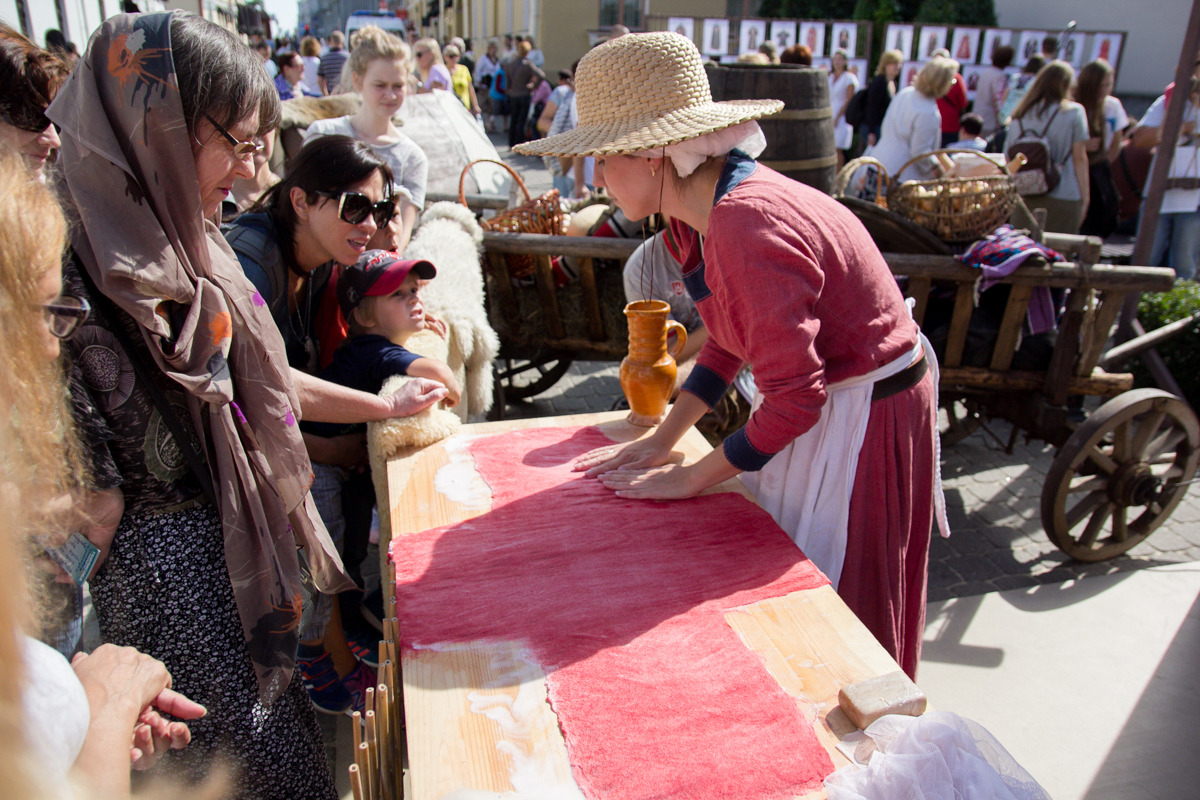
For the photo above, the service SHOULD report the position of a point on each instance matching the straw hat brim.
(632, 135)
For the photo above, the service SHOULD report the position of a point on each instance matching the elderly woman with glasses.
(188, 374)
(840, 445)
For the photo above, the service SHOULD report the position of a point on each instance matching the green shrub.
(1182, 352)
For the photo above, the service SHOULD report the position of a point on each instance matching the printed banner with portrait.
(965, 47)
(844, 37)
(752, 33)
(812, 35)
(783, 33)
(1031, 45)
(932, 39)
(684, 26)
(993, 38)
(899, 37)
(715, 41)
(1108, 47)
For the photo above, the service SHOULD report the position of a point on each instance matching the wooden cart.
(543, 328)
(1119, 472)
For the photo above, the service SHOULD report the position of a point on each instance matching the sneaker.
(365, 646)
(325, 690)
(356, 685)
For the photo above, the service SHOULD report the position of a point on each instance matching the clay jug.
(648, 372)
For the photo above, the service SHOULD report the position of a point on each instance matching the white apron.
(807, 486)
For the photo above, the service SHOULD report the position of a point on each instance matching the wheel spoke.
(1101, 459)
(1088, 483)
(1122, 440)
(1120, 528)
(1148, 428)
(1084, 508)
(1096, 524)
(1165, 442)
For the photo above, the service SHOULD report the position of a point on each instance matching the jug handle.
(680, 337)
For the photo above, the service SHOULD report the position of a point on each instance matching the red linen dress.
(790, 282)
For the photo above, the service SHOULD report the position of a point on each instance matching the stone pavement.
(993, 498)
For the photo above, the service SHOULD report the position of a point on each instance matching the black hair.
(219, 76)
(1003, 56)
(285, 59)
(56, 41)
(326, 164)
(972, 124)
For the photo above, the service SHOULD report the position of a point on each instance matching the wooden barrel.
(800, 137)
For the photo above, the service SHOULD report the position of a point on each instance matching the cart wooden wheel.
(525, 378)
(1121, 474)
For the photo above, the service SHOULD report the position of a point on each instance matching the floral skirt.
(165, 589)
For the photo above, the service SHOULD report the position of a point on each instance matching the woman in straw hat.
(841, 445)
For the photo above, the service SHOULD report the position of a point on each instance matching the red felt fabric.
(621, 602)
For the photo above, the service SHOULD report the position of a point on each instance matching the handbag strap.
(142, 371)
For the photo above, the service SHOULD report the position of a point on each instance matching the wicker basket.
(541, 215)
(956, 209)
(842, 181)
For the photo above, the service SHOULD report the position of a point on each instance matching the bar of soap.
(894, 693)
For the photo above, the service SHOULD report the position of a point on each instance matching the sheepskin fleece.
(450, 237)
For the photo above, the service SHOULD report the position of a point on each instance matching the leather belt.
(904, 379)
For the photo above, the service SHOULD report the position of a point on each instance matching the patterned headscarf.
(129, 176)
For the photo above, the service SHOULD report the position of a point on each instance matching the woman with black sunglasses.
(291, 246)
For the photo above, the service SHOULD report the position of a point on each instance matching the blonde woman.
(431, 70)
(880, 91)
(913, 124)
(464, 88)
(310, 54)
(1047, 107)
(840, 444)
(379, 71)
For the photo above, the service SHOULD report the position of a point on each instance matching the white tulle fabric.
(937, 756)
(686, 156)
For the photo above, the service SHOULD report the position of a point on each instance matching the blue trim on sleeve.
(742, 454)
(697, 287)
(705, 384)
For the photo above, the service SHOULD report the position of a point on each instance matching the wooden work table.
(809, 641)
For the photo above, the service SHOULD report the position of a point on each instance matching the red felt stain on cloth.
(621, 602)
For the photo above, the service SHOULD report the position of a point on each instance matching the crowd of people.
(204, 340)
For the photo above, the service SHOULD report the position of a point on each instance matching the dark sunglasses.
(354, 207)
(240, 149)
(65, 315)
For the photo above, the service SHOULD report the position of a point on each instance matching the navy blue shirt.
(363, 363)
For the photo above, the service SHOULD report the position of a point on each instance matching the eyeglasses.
(354, 207)
(240, 149)
(65, 315)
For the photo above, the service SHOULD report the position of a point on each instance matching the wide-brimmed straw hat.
(642, 91)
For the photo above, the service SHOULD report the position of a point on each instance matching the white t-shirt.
(1115, 119)
(652, 273)
(1154, 118)
(309, 78)
(911, 126)
(843, 132)
(408, 162)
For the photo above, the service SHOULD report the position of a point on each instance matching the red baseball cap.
(377, 273)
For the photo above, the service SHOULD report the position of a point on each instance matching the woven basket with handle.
(541, 215)
(956, 209)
